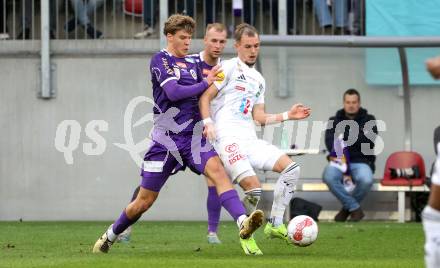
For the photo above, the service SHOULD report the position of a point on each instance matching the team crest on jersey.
(193, 74)
(181, 64)
(177, 72)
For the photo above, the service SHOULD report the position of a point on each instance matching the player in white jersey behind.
(431, 213)
(229, 108)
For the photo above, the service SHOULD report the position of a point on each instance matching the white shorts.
(245, 155)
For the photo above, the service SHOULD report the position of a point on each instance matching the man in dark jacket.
(358, 130)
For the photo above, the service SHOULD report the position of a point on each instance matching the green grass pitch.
(183, 244)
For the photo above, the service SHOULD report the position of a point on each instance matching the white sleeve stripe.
(168, 79)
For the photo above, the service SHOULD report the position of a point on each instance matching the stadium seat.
(400, 160)
(133, 7)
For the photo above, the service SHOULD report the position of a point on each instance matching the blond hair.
(179, 22)
(244, 29)
(218, 27)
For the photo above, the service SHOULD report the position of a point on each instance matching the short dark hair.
(351, 91)
(179, 22)
(244, 29)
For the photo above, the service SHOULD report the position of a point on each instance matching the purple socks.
(122, 223)
(214, 207)
(231, 202)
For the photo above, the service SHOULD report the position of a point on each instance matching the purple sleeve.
(200, 70)
(176, 92)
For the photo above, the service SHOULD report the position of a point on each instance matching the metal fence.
(137, 19)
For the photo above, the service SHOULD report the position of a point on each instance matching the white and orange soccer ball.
(302, 230)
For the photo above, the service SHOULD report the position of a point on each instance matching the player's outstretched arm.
(176, 92)
(296, 112)
(204, 104)
(433, 66)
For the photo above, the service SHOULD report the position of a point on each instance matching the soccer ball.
(302, 230)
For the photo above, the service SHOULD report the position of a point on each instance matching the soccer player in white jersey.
(229, 108)
(431, 213)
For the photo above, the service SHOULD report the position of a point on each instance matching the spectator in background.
(54, 6)
(3, 18)
(82, 12)
(211, 8)
(361, 166)
(150, 16)
(290, 16)
(358, 9)
(324, 14)
(25, 9)
(250, 9)
(151, 12)
(26, 19)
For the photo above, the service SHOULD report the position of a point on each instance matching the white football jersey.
(238, 92)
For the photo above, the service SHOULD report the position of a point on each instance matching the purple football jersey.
(186, 71)
(205, 68)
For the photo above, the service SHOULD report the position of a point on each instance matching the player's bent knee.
(142, 205)
(214, 169)
(248, 180)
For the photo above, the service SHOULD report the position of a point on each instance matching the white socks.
(240, 220)
(431, 225)
(110, 234)
(283, 192)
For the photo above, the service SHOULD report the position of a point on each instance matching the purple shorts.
(160, 163)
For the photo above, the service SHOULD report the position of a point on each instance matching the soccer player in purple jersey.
(177, 84)
(215, 42)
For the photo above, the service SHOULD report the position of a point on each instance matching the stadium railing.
(122, 19)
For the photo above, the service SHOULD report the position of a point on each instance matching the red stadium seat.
(133, 7)
(404, 160)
